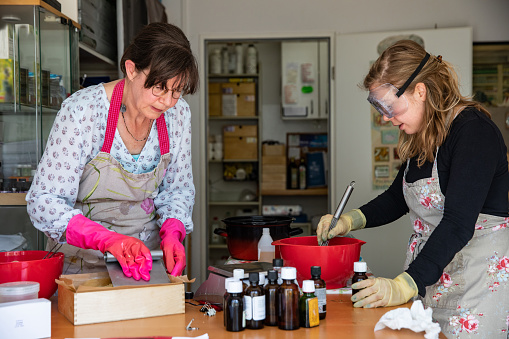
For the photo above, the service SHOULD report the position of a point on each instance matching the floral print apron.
(121, 201)
(471, 298)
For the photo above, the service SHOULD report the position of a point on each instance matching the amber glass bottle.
(270, 299)
(234, 311)
(226, 293)
(320, 290)
(254, 300)
(288, 300)
(359, 269)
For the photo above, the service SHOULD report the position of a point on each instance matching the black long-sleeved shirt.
(472, 168)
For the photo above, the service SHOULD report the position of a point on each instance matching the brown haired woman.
(116, 173)
(454, 187)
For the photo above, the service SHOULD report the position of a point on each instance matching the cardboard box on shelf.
(240, 131)
(274, 160)
(80, 294)
(214, 99)
(273, 185)
(273, 150)
(240, 142)
(238, 99)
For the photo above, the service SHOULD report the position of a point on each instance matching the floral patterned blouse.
(76, 138)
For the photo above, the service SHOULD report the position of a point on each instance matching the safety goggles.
(388, 100)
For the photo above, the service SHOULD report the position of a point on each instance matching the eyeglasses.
(389, 100)
(159, 91)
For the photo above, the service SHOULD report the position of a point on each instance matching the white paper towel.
(416, 319)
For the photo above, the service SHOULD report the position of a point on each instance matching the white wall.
(488, 19)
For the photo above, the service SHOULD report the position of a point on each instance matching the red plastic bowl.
(29, 266)
(336, 260)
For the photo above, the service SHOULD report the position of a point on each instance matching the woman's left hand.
(380, 292)
(172, 234)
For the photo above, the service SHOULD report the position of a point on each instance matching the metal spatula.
(157, 274)
(340, 209)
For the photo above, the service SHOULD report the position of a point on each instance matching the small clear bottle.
(254, 301)
(266, 250)
(308, 305)
(359, 268)
(270, 298)
(320, 290)
(234, 312)
(288, 300)
(215, 61)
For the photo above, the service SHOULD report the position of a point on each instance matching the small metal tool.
(340, 209)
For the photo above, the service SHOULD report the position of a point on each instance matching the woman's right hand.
(322, 231)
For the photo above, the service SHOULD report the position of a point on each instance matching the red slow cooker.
(242, 233)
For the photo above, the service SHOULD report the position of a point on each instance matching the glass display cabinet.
(39, 63)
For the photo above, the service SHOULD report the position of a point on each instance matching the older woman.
(116, 172)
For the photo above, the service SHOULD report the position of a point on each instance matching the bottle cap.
(360, 266)
(272, 275)
(227, 281)
(288, 273)
(277, 262)
(235, 286)
(316, 271)
(261, 278)
(189, 295)
(238, 273)
(308, 286)
(254, 277)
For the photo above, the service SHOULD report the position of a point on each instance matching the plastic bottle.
(254, 302)
(234, 312)
(214, 238)
(215, 61)
(251, 60)
(288, 296)
(226, 293)
(302, 175)
(359, 268)
(266, 250)
(293, 174)
(308, 305)
(320, 290)
(218, 147)
(238, 274)
(270, 298)
(239, 51)
(225, 60)
(277, 264)
(232, 62)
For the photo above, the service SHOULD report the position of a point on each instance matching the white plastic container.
(215, 61)
(19, 290)
(266, 251)
(251, 60)
(239, 50)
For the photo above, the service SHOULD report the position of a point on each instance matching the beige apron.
(121, 201)
(471, 299)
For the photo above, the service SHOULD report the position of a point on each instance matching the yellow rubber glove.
(380, 292)
(352, 220)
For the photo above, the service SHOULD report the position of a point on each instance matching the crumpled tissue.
(416, 319)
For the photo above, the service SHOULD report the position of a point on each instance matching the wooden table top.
(342, 321)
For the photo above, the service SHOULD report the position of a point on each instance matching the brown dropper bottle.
(359, 269)
(288, 296)
(320, 290)
(254, 300)
(270, 299)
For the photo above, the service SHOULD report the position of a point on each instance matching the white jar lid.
(235, 286)
(238, 273)
(288, 273)
(19, 288)
(228, 280)
(308, 286)
(360, 266)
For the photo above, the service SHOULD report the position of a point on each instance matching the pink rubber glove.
(131, 253)
(172, 234)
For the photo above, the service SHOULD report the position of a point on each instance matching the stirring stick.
(340, 209)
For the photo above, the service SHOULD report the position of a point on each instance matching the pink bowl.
(335, 260)
(29, 266)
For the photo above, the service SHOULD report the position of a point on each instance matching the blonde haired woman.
(453, 184)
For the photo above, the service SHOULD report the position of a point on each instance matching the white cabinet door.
(304, 67)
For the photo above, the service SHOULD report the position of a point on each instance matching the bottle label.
(248, 307)
(321, 294)
(313, 314)
(258, 304)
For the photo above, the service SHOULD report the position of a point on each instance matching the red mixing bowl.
(336, 260)
(30, 266)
